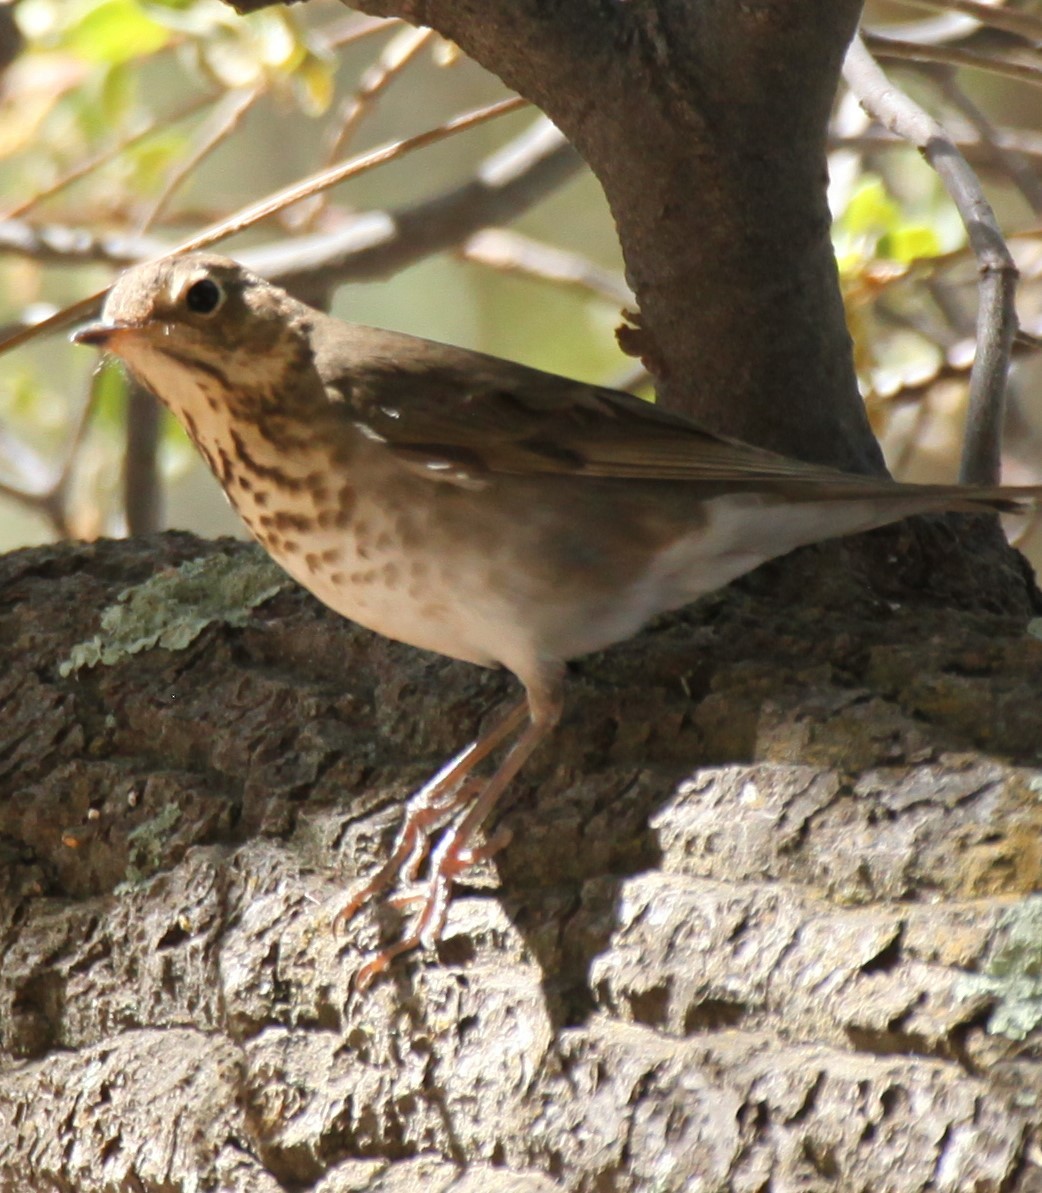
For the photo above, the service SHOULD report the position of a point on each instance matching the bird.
(467, 505)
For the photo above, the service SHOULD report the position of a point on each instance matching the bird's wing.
(462, 415)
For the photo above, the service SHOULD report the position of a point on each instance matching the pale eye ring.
(204, 297)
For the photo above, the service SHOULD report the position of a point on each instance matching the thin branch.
(380, 243)
(511, 252)
(222, 122)
(88, 307)
(374, 243)
(895, 50)
(994, 16)
(353, 28)
(1013, 164)
(48, 496)
(996, 315)
(142, 492)
(158, 124)
(1023, 142)
(56, 244)
(392, 60)
(314, 184)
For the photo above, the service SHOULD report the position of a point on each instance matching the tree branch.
(707, 131)
(996, 316)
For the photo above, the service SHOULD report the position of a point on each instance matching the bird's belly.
(380, 570)
(384, 597)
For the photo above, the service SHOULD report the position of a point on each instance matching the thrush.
(467, 505)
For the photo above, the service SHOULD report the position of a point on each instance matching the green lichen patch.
(1013, 974)
(171, 609)
(147, 842)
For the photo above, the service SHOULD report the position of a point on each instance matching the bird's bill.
(94, 335)
(99, 335)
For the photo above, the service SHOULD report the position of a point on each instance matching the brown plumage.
(467, 504)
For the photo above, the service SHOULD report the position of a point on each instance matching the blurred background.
(127, 126)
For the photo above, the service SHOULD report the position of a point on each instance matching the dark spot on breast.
(331, 555)
(283, 433)
(345, 499)
(312, 561)
(407, 531)
(227, 471)
(211, 463)
(276, 476)
(198, 366)
(315, 482)
(285, 520)
(291, 546)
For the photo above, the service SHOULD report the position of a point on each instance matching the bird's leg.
(454, 852)
(428, 808)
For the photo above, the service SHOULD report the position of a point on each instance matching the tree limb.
(996, 316)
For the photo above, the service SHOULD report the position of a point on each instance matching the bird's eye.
(204, 296)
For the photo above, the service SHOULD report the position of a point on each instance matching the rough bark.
(767, 917)
(705, 124)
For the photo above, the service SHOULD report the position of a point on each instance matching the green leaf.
(912, 242)
(114, 31)
(315, 84)
(871, 210)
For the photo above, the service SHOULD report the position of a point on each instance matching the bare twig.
(896, 50)
(142, 493)
(354, 28)
(374, 243)
(379, 243)
(393, 59)
(221, 124)
(314, 184)
(996, 315)
(995, 16)
(100, 159)
(48, 495)
(87, 307)
(56, 244)
(1024, 142)
(511, 252)
(1013, 164)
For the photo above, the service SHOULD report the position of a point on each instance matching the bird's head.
(202, 322)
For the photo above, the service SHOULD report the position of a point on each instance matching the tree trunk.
(765, 919)
(705, 124)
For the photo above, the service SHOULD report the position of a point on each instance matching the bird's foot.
(451, 858)
(452, 795)
(425, 813)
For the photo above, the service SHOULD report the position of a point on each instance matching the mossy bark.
(768, 916)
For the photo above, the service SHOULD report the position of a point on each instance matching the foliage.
(151, 118)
